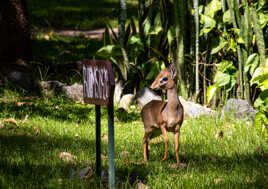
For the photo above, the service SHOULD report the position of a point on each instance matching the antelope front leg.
(177, 135)
(145, 148)
(164, 132)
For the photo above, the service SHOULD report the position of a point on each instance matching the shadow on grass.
(75, 14)
(66, 112)
(34, 160)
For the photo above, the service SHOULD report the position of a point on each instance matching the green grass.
(30, 150)
(76, 14)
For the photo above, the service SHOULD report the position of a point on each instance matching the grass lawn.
(76, 14)
(34, 131)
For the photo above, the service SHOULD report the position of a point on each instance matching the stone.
(73, 92)
(118, 90)
(238, 109)
(125, 102)
(145, 95)
(193, 110)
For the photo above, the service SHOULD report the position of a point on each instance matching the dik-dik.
(162, 117)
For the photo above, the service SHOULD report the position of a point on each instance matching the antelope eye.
(164, 79)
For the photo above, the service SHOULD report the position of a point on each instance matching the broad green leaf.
(260, 120)
(106, 49)
(227, 17)
(226, 66)
(146, 26)
(233, 45)
(211, 91)
(135, 39)
(157, 20)
(222, 79)
(263, 19)
(213, 7)
(170, 35)
(252, 63)
(208, 24)
(240, 40)
(221, 45)
(155, 30)
(260, 74)
(263, 85)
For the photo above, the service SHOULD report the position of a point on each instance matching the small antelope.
(160, 116)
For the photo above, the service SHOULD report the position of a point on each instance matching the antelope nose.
(153, 85)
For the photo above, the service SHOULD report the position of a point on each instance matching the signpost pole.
(98, 139)
(111, 146)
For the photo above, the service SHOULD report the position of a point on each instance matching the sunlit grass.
(76, 14)
(219, 154)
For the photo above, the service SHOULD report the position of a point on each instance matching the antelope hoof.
(164, 158)
(181, 165)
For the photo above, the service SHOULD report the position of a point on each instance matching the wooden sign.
(98, 89)
(98, 82)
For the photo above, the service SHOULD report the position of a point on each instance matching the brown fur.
(160, 117)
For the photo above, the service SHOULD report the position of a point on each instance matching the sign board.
(98, 89)
(98, 82)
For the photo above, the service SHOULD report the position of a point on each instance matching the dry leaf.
(259, 149)
(173, 166)
(105, 137)
(217, 180)
(86, 173)
(25, 119)
(11, 120)
(154, 141)
(213, 159)
(60, 180)
(124, 154)
(142, 186)
(65, 156)
(56, 107)
(103, 156)
(219, 134)
(76, 135)
(36, 131)
(20, 103)
(1, 125)
(183, 155)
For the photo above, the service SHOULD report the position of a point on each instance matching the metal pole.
(98, 139)
(111, 146)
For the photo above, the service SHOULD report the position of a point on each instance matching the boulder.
(125, 101)
(146, 95)
(238, 108)
(118, 91)
(193, 110)
(73, 92)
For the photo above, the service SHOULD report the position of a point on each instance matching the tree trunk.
(236, 19)
(196, 19)
(15, 46)
(121, 33)
(180, 10)
(15, 33)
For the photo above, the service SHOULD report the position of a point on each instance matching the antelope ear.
(173, 70)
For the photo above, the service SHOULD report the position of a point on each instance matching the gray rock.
(51, 87)
(125, 101)
(118, 91)
(146, 95)
(73, 92)
(195, 110)
(20, 78)
(238, 108)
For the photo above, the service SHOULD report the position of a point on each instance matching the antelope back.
(166, 78)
